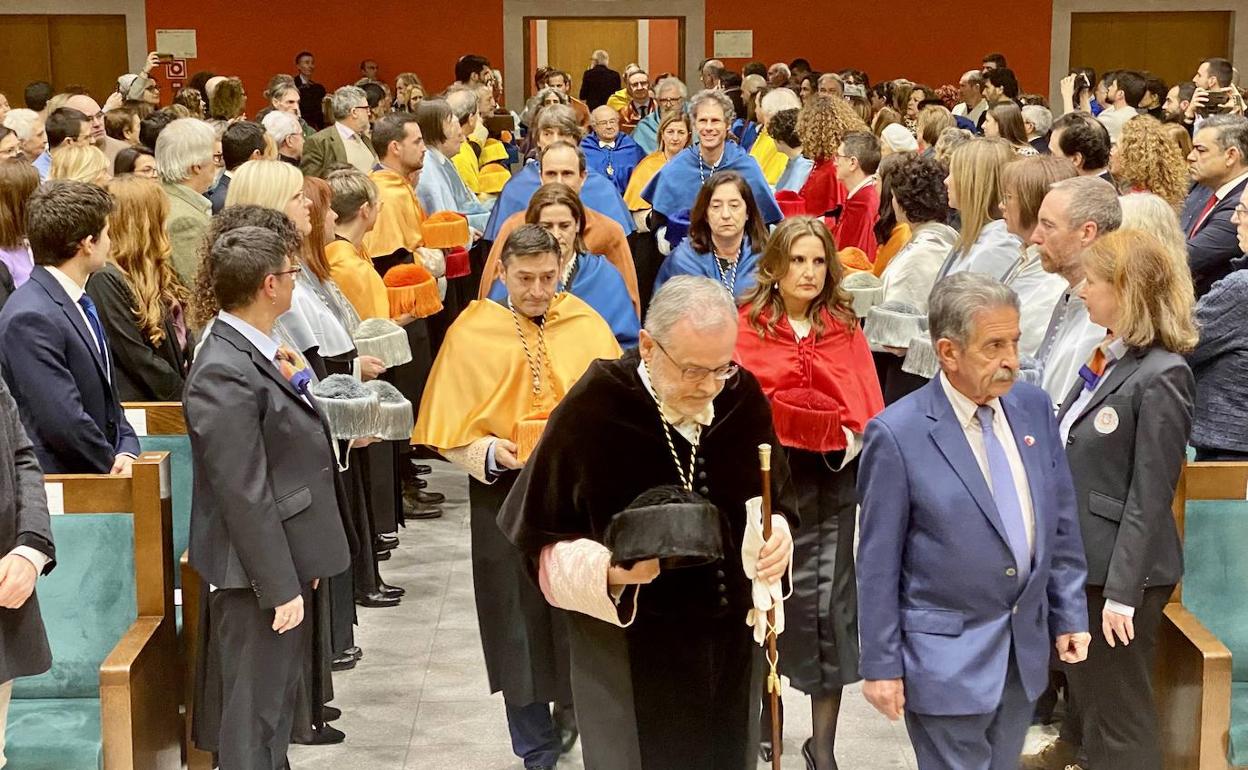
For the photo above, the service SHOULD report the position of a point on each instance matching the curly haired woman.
(1145, 159)
(821, 125)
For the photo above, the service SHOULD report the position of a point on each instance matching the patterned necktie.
(1005, 494)
(293, 369)
(1094, 369)
(93, 318)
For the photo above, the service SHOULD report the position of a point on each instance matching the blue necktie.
(1005, 494)
(93, 318)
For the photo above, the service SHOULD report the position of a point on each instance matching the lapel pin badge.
(1029, 440)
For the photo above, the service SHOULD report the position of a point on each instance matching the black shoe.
(808, 754)
(343, 662)
(376, 600)
(381, 555)
(427, 498)
(382, 544)
(389, 538)
(325, 735)
(764, 751)
(417, 512)
(389, 590)
(330, 713)
(354, 652)
(420, 469)
(421, 483)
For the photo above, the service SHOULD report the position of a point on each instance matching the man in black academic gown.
(679, 687)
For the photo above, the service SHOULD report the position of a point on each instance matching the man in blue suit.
(53, 352)
(970, 563)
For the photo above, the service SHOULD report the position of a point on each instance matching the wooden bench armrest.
(138, 707)
(1192, 689)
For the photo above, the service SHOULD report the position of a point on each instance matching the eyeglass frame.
(693, 374)
(292, 271)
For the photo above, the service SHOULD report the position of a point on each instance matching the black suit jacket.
(1215, 244)
(23, 521)
(597, 85)
(1126, 450)
(310, 96)
(142, 371)
(217, 194)
(60, 381)
(264, 514)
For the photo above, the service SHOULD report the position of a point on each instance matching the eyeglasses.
(291, 271)
(361, 107)
(608, 122)
(1241, 211)
(699, 373)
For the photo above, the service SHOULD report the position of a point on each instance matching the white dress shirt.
(1068, 343)
(964, 409)
(1038, 292)
(75, 293)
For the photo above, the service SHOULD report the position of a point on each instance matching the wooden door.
(27, 55)
(569, 43)
(1169, 44)
(86, 50)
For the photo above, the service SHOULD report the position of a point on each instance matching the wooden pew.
(1192, 680)
(138, 709)
(167, 419)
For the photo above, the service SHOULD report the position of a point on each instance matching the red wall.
(258, 40)
(664, 46)
(933, 41)
(930, 41)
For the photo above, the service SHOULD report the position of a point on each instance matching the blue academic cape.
(600, 285)
(746, 133)
(616, 163)
(646, 132)
(685, 261)
(441, 188)
(598, 194)
(675, 187)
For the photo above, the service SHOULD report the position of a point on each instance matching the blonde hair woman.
(984, 244)
(932, 121)
(80, 163)
(1146, 159)
(1153, 214)
(141, 303)
(1126, 424)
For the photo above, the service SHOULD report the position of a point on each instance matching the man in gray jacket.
(26, 541)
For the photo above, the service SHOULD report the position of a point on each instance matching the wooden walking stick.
(773, 655)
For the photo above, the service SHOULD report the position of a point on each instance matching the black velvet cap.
(678, 527)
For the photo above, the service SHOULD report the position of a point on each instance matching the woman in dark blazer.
(140, 300)
(1126, 424)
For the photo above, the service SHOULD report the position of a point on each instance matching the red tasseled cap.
(807, 419)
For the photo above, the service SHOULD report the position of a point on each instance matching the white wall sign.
(734, 43)
(178, 43)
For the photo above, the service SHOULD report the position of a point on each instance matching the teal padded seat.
(180, 486)
(88, 603)
(1215, 539)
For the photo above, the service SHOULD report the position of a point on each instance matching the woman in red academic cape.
(800, 338)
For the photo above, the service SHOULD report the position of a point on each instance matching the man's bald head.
(606, 123)
(91, 108)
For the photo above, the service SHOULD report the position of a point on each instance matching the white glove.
(433, 260)
(765, 596)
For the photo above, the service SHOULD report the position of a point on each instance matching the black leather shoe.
(378, 599)
(330, 713)
(343, 662)
(390, 590)
(381, 544)
(354, 652)
(381, 555)
(420, 469)
(764, 752)
(412, 511)
(389, 537)
(427, 498)
(326, 735)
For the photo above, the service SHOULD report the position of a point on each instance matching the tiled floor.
(419, 697)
